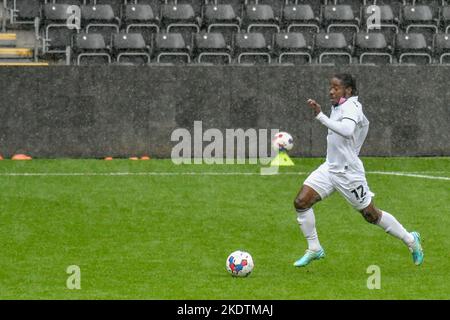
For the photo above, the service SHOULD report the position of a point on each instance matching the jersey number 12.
(361, 194)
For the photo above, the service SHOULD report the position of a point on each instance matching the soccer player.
(343, 171)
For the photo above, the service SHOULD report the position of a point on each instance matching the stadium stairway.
(12, 55)
(18, 49)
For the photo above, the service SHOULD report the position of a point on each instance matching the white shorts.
(351, 185)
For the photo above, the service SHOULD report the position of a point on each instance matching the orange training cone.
(21, 157)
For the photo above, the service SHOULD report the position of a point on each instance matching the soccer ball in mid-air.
(282, 141)
(240, 263)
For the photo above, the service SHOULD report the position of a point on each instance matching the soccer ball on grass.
(239, 264)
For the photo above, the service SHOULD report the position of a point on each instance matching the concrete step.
(22, 64)
(15, 53)
(8, 39)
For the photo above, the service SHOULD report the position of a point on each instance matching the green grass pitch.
(167, 236)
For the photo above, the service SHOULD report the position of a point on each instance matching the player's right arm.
(346, 127)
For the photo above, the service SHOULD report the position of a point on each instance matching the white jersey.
(342, 153)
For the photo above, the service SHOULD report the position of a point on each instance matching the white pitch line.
(87, 174)
(44, 174)
(406, 174)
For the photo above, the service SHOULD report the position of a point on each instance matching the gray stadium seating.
(251, 47)
(100, 19)
(413, 48)
(155, 4)
(170, 47)
(196, 5)
(419, 18)
(292, 47)
(91, 48)
(332, 47)
(441, 46)
(180, 18)
(445, 18)
(315, 5)
(341, 18)
(130, 48)
(238, 5)
(212, 48)
(23, 11)
(72, 2)
(116, 5)
(221, 18)
(57, 34)
(140, 18)
(301, 18)
(373, 48)
(403, 23)
(261, 19)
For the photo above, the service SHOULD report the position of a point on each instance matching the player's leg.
(392, 226)
(387, 222)
(354, 188)
(303, 203)
(315, 188)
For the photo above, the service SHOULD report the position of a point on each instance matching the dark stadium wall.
(122, 111)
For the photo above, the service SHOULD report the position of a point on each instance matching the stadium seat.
(180, 18)
(57, 34)
(300, 18)
(332, 45)
(72, 2)
(432, 3)
(316, 5)
(399, 2)
(141, 18)
(373, 48)
(292, 47)
(211, 47)
(131, 48)
(171, 45)
(389, 23)
(441, 46)
(155, 4)
(445, 18)
(391, 2)
(276, 5)
(223, 19)
(91, 47)
(396, 5)
(22, 11)
(341, 18)
(420, 18)
(100, 19)
(196, 5)
(261, 19)
(116, 5)
(237, 5)
(387, 18)
(251, 47)
(354, 4)
(413, 47)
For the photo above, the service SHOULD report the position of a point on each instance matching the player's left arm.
(346, 127)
